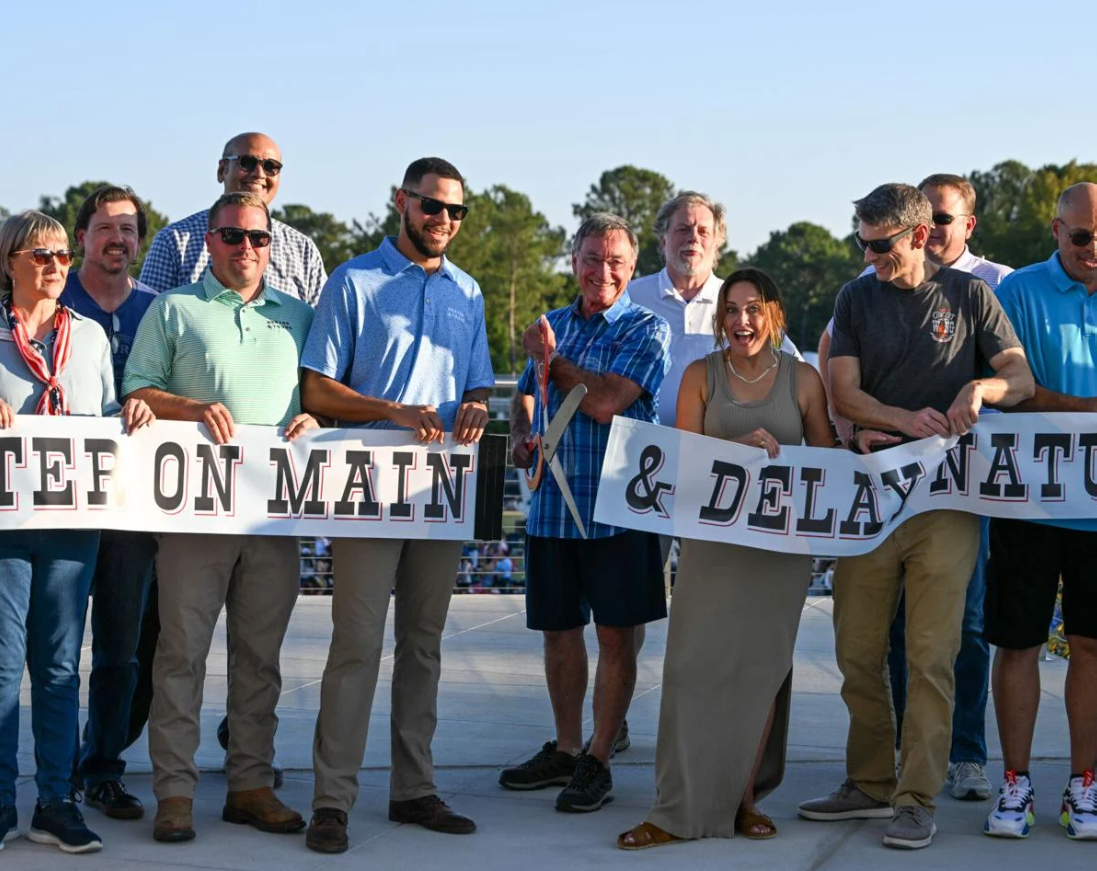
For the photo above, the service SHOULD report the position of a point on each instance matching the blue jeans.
(972, 669)
(120, 589)
(44, 580)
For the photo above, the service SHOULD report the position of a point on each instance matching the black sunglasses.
(235, 236)
(43, 256)
(1079, 238)
(248, 162)
(943, 219)
(431, 206)
(881, 246)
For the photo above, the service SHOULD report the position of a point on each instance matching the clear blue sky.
(785, 111)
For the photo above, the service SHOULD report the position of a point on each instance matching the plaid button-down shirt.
(627, 340)
(178, 256)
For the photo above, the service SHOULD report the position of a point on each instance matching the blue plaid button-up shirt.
(627, 340)
(178, 256)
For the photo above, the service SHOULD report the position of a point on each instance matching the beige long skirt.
(733, 623)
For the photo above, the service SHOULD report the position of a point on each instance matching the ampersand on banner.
(643, 495)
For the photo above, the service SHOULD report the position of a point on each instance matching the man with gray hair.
(911, 342)
(692, 230)
(618, 351)
(952, 201)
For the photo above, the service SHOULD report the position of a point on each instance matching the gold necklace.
(765, 371)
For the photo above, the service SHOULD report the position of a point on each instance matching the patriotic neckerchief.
(53, 400)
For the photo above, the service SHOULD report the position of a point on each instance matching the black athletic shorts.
(618, 578)
(1026, 561)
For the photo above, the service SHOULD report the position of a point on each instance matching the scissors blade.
(565, 491)
(559, 423)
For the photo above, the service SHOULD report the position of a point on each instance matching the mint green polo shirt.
(201, 341)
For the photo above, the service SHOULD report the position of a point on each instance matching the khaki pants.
(256, 579)
(932, 555)
(366, 572)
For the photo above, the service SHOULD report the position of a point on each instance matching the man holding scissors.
(613, 355)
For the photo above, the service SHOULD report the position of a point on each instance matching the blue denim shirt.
(388, 330)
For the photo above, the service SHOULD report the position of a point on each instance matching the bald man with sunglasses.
(250, 162)
(911, 344)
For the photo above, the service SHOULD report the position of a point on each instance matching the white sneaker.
(968, 782)
(1078, 814)
(1014, 815)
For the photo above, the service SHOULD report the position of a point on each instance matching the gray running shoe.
(911, 828)
(968, 782)
(847, 802)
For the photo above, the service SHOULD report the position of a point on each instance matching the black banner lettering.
(97, 449)
(54, 459)
(1004, 462)
(170, 451)
(725, 473)
(440, 483)
(771, 515)
(1056, 446)
(293, 499)
(219, 476)
(359, 479)
(864, 502)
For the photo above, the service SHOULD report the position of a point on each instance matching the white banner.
(837, 503)
(85, 473)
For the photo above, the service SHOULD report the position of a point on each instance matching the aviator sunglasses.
(248, 162)
(43, 256)
(235, 236)
(881, 246)
(431, 206)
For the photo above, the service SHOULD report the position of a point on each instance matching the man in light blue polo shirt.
(399, 342)
(1053, 307)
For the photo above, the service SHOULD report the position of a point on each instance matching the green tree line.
(521, 260)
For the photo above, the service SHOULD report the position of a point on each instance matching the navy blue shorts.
(619, 579)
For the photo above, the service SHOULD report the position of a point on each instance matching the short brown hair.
(772, 304)
(957, 182)
(244, 199)
(111, 194)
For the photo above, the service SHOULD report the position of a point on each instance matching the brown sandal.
(645, 836)
(747, 820)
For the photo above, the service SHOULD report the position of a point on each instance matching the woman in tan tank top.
(723, 718)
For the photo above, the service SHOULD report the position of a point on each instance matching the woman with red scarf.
(52, 362)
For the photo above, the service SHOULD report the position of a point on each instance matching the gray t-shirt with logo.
(918, 347)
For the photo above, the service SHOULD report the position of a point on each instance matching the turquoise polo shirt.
(203, 342)
(1055, 318)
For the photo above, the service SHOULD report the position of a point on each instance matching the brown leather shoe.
(262, 809)
(432, 813)
(327, 831)
(174, 820)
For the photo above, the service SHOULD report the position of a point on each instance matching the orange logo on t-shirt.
(943, 325)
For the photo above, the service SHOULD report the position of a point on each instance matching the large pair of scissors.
(546, 442)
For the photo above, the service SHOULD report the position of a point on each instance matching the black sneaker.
(223, 740)
(59, 822)
(111, 798)
(589, 789)
(619, 746)
(550, 767)
(9, 823)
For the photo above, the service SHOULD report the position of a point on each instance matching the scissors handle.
(533, 476)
